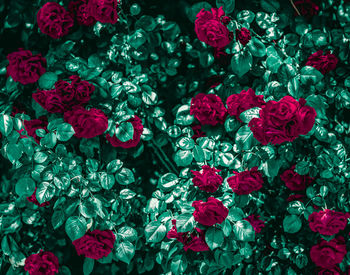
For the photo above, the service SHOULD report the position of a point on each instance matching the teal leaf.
(47, 80)
(256, 47)
(310, 76)
(88, 266)
(227, 5)
(214, 237)
(244, 138)
(64, 132)
(125, 131)
(6, 124)
(249, 114)
(244, 231)
(292, 224)
(106, 180)
(125, 251)
(241, 63)
(185, 222)
(25, 187)
(45, 192)
(57, 218)
(155, 232)
(75, 227)
(125, 176)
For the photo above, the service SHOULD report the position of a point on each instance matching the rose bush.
(216, 143)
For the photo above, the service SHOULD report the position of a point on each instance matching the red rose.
(328, 254)
(24, 67)
(246, 182)
(294, 181)
(197, 132)
(96, 244)
(208, 109)
(32, 125)
(307, 7)
(245, 100)
(256, 223)
(33, 199)
(50, 101)
(54, 20)
(207, 180)
(328, 222)
(104, 11)
(87, 123)
(194, 241)
(209, 213)
(243, 36)
(41, 263)
(79, 10)
(282, 121)
(330, 271)
(323, 63)
(138, 129)
(210, 30)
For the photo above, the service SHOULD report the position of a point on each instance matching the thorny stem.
(294, 7)
(163, 157)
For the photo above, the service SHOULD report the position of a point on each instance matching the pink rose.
(207, 179)
(328, 254)
(210, 30)
(256, 223)
(104, 11)
(282, 121)
(245, 100)
(197, 132)
(50, 101)
(95, 244)
(41, 263)
(243, 36)
(246, 182)
(330, 271)
(138, 129)
(208, 109)
(194, 241)
(322, 62)
(79, 10)
(209, 213)
(306, 7)
(24, 67)
(54, 21)
(328, 222)
(87, 123)
(294, 181)
(32, 125)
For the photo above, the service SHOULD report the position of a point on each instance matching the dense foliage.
(175, 137)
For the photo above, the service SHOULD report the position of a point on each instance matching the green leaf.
(25, 187)
(183, 157)
(127, 233)
(88, 266)
(198, 154)
(292, 224)
(241, 63)
(40, 157)
(45, 192)
(195, 9)
(75, 227)
(114, 166)
(47, 80)
(87, 209)
(249, 114)
(273, 63)
(106, 180)
(57, 218)
(244, 231)
(127, 194)
(185, 222)
(270, 5)
(227, 5)
(168, 182)
(155, 232)
(235, 214)
(125, 251)
(310, 76)
(214, 237)
(256, 47)
(125, 131)
(6, 124)
(125, 176)
(64, 132)
(244, 138)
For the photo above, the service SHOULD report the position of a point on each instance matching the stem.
(295, 8)
(163, 158)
